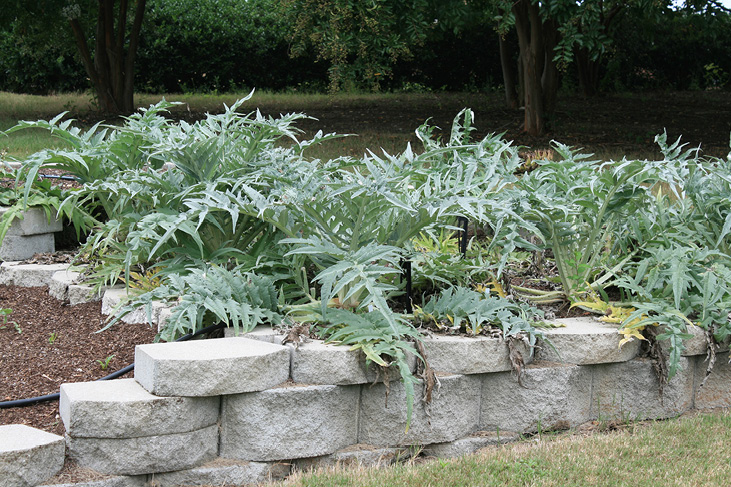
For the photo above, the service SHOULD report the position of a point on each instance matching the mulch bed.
(56, 343)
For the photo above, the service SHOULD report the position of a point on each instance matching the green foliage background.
(224, 45)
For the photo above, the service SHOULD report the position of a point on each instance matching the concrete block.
(82, 293)
(584, 341)
(124, 409)
(453, 413)
(28, 456)
(28, 275)
(555, 396)
(317, 362)
(289, 422)
(360, 455)
(146, 454)
(163, 315)
(60, 282)
(112, 298)
(716, 392)
(223, 471)
(106, 481)
(630, 390)
(697, 345)
(7, 273)
(261, 332)
(34, 222)
(470, 444)
(210, 367)
(470, 355)
(17, 247)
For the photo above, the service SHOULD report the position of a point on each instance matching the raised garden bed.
(217, 221)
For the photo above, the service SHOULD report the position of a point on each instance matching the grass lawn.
(612, 126)
(692, 450)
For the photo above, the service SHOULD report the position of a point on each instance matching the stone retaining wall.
(30, 233)
(245, 409)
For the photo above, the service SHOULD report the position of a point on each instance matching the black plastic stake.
(406, 266)
(463, 223)
(407, 269)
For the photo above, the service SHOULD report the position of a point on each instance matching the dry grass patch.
(693, 450)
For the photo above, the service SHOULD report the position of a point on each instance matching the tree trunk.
(588, 72)
(588, 68)
(529, 27)
(540, 77)
(549, 78)
(111, 70)
(507, 64)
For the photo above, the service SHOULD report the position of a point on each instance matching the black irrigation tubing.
(54, 397)
(56, 176)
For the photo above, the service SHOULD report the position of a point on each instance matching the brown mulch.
(56, 343)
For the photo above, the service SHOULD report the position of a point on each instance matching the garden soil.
(55, 343)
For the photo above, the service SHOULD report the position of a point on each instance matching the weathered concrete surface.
(29, 235)
(28, 456)
(112, 298)
(147, 454)
(355, 455)
(28, 275)
(222, 472)
(555, 396)
(34, 222)
(106, 481)
(585, 341)
(470, 444)
(262, 332)
(163, 315)
(317, 362)
(697, 345)
(60, 282)
(289, 422)
(454, 412)
(64, 286)
(630, 390)
(210, 367)
(82, 293)
(17, 247)
(130, 411)
(716, 392)
(470, 355)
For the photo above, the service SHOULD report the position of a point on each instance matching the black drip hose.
(55, 176)
(54, 397)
